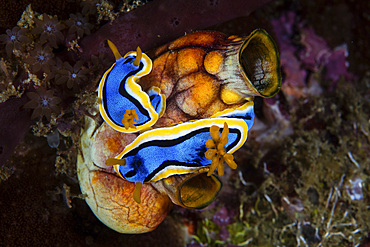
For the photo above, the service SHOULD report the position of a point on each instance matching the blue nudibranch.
(183, 148)
(122, 100)
(179, 149)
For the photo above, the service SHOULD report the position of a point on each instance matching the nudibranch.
(123, 104)
(183, 148)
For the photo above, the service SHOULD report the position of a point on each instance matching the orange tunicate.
(205, 72)
(109, 196)
(200, 92)
(117, 208)
(205, 39)
(189, 60)
(162, 77)
(113, 144)
(108, 143)
(213, 62)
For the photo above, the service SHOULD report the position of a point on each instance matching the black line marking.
(169, 163)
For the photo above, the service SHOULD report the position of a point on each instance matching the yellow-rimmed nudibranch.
(184, 148)
(123, 104)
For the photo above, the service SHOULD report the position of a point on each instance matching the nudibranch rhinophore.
(165, 135)
(122, 100)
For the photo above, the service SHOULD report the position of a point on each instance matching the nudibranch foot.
(119, 92)
(216, 150)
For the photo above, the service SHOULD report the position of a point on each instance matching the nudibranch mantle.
(180, 149)
(118, 92)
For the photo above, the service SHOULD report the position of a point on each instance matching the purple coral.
(13, 39)
(337, 66)
(41, 57)
(294, 81)
(49, 29)
(315, 51)
(43, 102)
(223, 218)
